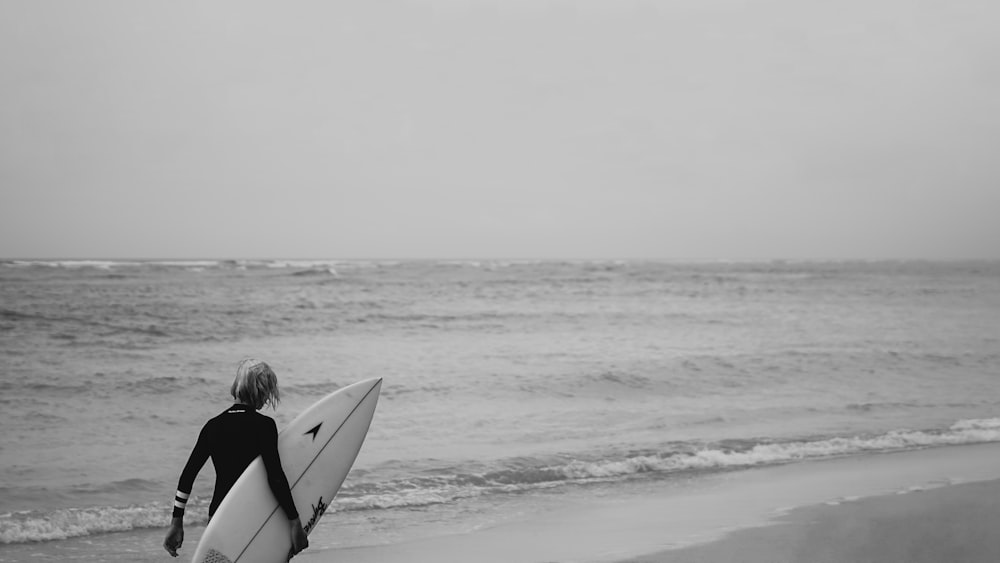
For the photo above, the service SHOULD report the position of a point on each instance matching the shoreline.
(949, 523)
(688, 524)
(881, 507)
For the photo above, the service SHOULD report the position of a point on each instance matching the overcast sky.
(500, 128)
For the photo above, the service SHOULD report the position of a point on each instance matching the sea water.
(506, 383)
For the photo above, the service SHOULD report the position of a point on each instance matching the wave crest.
(36, 526)
(523, 476)
(449, 484)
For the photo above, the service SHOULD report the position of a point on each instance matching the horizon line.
(496, 259)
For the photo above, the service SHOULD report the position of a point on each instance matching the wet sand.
(941, 504)
(956, 523)
(935, 505)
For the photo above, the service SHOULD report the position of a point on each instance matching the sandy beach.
(931, 505)
(934, 505)
(953, 523)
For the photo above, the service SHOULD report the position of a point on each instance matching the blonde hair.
(255, 384)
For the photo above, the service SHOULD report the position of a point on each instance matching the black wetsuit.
(233, 440)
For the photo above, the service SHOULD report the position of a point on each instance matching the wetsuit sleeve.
(275, 474)
(199, 455)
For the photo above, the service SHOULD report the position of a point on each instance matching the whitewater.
(502, 379)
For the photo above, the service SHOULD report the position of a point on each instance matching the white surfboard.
(317, 450)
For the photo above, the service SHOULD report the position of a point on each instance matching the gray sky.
(500, 128)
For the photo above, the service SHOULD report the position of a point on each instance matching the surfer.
(233, 439)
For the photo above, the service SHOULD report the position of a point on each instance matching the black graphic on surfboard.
(314, 431)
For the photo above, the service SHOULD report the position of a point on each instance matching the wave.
(328, 271)
(311, 389)
(122, 269)
(678, 458)
(38, 526)
(68, 264)
(869, 407)
(442, 485)
(44, 391)
(109, 329)
(315, 264)
(133, 485)
(806, 269)
(48, 389)
(163, 384)
(444, 320)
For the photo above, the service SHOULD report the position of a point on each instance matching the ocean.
(508, 385)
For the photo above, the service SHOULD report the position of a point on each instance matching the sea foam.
(439, 487)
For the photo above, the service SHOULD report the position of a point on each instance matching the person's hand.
(299, 539)
(175, 537)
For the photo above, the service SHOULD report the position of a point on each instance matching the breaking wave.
(37, 526)
(522, 475)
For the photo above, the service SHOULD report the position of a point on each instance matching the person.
(233, 439)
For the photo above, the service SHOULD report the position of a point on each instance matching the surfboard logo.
(215, 557)
(314, 431)
(318, 509)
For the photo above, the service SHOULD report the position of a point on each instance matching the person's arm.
(275, 473)
(199, 455)
(279, 485)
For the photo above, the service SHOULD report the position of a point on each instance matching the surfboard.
(317, 450)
